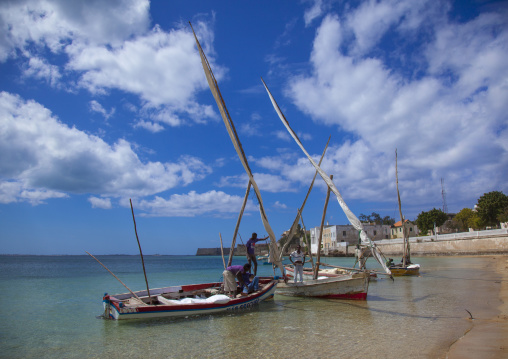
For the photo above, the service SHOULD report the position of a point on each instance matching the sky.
(102, 102)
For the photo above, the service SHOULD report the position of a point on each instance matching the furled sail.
(214, 87)
(350, 215)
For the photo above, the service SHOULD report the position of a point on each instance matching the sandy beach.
(488, 335)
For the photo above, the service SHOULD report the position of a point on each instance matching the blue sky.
(102, 101)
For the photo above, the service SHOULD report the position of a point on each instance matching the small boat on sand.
(346, 286)
(185, 300)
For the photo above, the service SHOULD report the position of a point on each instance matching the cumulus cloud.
(59, 23)
(104, 203)
(41, 69)
(39, 152)
(445, 120)
(108, 46)
(194, 204)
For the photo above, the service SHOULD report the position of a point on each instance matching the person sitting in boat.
(389, 262)
(408, 261)
(251, 283)
(298, 259)
(251, 256)
(230, 274)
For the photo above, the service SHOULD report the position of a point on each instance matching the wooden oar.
(134, 294)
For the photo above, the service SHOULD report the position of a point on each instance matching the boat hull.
(403, 271)
(353, 286)
(114, 310)
(308, 274)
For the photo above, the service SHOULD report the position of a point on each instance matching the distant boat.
(185, 300)
(264, 259)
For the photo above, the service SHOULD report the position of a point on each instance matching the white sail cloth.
(355, 222)
(214, 88)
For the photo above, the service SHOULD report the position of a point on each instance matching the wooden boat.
(334, 287)
(348, 286)
(308, 274)
(185, 300)
(411, 269)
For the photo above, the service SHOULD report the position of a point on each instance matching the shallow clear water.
(50, 303)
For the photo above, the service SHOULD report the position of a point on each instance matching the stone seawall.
(212, 252)
(489, 245)
(420, 246)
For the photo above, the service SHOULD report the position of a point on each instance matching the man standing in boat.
(251, 254)
(298, 259)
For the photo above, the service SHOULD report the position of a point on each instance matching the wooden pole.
(321, 231)
(134, 294)
(295, 222)
(222, 251)
(406, 242)
(230, 260)
(141, 253)
(307, 242)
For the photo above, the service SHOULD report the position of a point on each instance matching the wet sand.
(488, 337)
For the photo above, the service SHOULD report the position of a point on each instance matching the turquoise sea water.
(49, 308)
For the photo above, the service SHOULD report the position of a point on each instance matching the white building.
(337, 237)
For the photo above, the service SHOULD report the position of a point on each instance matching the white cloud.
(104, 203)
(444, 122)
(60, 23)
(41, 69)
(313, 12)
(193, 204)
(18, 191)
(107, 46)
(46, 155)
(150, 126)
(97, 107)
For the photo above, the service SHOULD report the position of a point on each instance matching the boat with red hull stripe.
(193, 299)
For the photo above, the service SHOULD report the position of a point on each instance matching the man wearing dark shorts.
(251, 255)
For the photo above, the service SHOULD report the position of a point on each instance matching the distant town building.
(396, 229)
(337, 237)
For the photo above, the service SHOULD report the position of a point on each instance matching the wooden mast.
(321, 231)
(295, 222)
(406, 241)
(222, 251)
(307, 243)
(228, 122)
(233, 243)
(141, 253)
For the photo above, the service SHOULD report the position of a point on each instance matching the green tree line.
(490, 209)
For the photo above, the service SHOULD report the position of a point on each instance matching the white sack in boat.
(216, 299)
